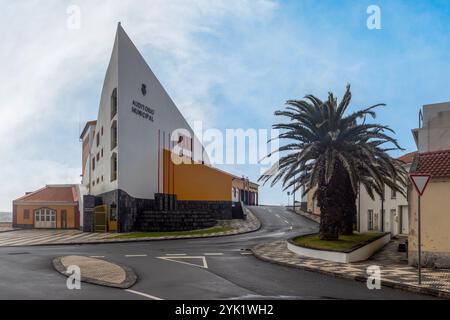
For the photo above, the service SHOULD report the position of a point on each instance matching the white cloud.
(51, 74)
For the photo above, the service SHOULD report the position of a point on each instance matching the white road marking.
(97, 256)
(176, 254)
(290, 228)
(143, 294)
(175, 259)
(286, 221)
(135, 255)
(246, 253)
(277, 215)
(213, 254)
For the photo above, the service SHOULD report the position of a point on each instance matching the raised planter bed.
(358, 253)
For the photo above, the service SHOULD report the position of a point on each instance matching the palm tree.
(331, 154)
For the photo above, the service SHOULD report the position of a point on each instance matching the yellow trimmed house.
(435, 211)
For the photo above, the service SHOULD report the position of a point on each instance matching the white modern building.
(127, 151)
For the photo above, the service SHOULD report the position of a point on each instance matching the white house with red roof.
(386, 214)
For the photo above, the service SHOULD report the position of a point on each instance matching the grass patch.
(344, 244)
(171, 233)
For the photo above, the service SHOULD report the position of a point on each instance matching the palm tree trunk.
(328, 198)
(348, 207)
(348, 214)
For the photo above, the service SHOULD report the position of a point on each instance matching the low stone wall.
(129, 209)
(220, 210)
(360, 254)
(153, 221)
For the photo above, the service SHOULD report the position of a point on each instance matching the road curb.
(258, 227)
(130, 280)
(386, 283)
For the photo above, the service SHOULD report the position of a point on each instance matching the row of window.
(99, 155)
(372, 218)
(113, 171)
(43, 214)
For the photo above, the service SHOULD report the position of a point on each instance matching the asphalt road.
(209, 268)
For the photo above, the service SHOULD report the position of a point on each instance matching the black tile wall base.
(23, 226)
(129, 209)
(152, 221)
(220, 210)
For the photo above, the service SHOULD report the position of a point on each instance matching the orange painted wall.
(70, 214)
(195, 181)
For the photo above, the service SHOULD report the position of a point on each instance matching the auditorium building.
(131, 153)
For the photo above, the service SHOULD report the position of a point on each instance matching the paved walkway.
(97, 271)
(395, 272)
(32, 237)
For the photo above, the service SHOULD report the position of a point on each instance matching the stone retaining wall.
(129, 209)
(153, 221)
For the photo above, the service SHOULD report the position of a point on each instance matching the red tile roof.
(408, 158)
(436, 163)
(52, 193)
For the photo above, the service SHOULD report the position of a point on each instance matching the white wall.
(392, 221)
(103, 166)
(137, 147)
(435, 132)
(138, 137)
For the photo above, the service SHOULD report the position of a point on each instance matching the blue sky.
(228, 63)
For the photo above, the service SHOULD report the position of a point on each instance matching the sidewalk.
(35, 237)
(395, 272)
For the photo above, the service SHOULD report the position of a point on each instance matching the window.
(369, 219)
(114, 103)
(393, 194)
(98, 180)
(93, 183)
(26, 214)
(102, 178)
(114, 135)
(102, 131)
(98, 156)
(98, 139)
(102, 152)
(114, 167)
(93, 164)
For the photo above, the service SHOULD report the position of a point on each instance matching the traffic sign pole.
(420, 182)
(419, 242)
